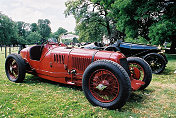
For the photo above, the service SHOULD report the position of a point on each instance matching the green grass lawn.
(36, 97)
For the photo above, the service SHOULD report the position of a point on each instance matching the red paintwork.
(63, 64)
(137, 72)
(136, 84)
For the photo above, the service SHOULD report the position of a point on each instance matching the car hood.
(137, 46)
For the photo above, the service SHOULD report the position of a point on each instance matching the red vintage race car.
(106, 77)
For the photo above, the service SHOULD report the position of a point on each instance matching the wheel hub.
(101, 87)
(10, 68)
(152, 64)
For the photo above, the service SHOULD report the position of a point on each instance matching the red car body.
(63, 64)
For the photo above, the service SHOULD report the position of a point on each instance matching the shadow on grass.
(167, 71)
(140, 95)
(31, 79)
(136, 98)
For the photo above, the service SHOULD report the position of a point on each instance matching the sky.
(30, 11)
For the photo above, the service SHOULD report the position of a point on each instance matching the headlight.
(163, 51)
(159, 47)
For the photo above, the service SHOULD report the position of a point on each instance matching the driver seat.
(35, 52)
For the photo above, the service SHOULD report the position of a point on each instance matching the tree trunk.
(108, 29)
(5, 51)
(173, 46)
(10, 50)
(147, 38)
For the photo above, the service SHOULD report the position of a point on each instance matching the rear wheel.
(15, 68)
(106, 84)
(141, 74)
(156, 61)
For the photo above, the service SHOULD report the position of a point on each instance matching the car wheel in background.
(156, 62)
(141, 74)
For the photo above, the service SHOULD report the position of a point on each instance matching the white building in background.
(68, 36)
(106, 40)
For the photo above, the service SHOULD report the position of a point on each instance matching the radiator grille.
(80, 63)
(59, 58)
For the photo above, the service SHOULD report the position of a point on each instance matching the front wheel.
(15, 68)
(141, 74)
(106, 84)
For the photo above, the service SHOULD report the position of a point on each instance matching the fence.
(6, 50)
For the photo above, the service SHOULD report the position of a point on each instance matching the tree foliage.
(33, 33)
(92, 18)
(34, 38)
(23, 28)
(59, 32)
(23, 31)
(153, 20)
(34, 27)
(44, 28)
(90, 33)
(8, 30)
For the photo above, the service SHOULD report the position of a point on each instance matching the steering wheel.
(98, 44)
(114, 47)
(117, 43)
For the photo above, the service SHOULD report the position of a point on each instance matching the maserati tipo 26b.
(106, 77)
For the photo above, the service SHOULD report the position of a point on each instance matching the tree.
(23, 31)
(75, 40)
(22, 41)
(59, 32)
(145, 18)
(34, 27)
(135, 19)
(8, 30)
(44, 28)
(92, 19)
(23, 28)
(33, 38)
(90, 33)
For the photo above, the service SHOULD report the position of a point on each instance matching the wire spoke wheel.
(106, 84)
(137, 72)
(141, 73)
(156, 62)
(103, 85)
(15, 68)
(12, 68)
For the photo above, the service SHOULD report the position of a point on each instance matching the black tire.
(156, 61)
(146, 75)
(116, 74)
(15, 68)
(164, 56)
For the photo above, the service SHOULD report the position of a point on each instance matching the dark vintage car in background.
(106, 77)
(154, 56)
